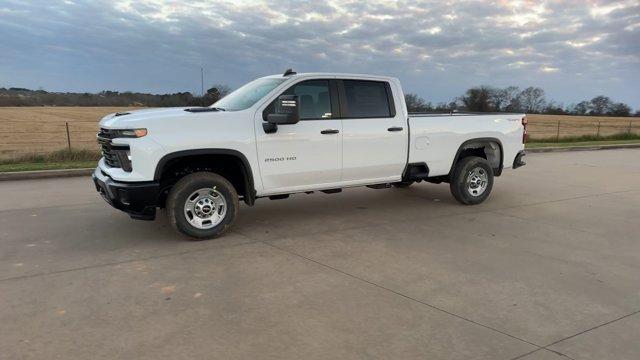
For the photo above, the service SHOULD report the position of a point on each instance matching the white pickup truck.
(294, 133)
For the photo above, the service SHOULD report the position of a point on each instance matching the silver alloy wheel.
(205, 208)
(477, 181)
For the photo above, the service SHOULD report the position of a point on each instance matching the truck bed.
(435, 138)
(457, 113)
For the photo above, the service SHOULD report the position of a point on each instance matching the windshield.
(248, 94)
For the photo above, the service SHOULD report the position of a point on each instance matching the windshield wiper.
(204, 109)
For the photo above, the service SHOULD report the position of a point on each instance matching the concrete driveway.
(547, 268)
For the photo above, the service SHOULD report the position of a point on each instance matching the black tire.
(460, 180)
(186, 187)
(403, 184)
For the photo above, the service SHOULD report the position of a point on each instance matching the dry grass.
(546, 126)
(62, 155)
(40, 130)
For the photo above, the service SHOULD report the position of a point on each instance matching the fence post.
(68, 136)
(629, 128)
(558, 132)
(598, 133)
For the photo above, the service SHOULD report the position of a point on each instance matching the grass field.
(47, 166)
(546, 126)
(59, 159)
(26, 130)
(581, 143)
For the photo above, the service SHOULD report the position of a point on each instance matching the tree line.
(530, 100)
(27, 97)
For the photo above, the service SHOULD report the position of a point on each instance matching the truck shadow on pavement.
(304, 214)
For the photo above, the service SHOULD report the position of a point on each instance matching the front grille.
(111, 158)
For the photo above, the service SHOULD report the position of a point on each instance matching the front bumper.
(138, 199)
(517, 162)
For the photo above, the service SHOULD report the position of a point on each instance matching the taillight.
(525, 136)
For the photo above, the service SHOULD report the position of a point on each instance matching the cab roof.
(330, 75)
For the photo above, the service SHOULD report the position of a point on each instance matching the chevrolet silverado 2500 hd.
(293, 133)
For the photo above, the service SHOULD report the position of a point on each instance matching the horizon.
(427, 101)
(573, 50)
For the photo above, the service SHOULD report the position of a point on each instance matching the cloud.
(573, 49)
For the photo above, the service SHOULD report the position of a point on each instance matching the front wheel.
(202, 205)
(472, 180)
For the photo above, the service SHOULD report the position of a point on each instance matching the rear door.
(375, 135)
(308, 154)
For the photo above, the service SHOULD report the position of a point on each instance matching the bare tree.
(511, 97)
(582, 108)
(416, 103)
(223, 90)
(599, 105)
(499, 98)
(619, 109)
(478, 99)
(554, 109)
(442, 106)
(531, 99)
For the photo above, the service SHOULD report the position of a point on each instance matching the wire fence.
(42, 137)
(550, 130)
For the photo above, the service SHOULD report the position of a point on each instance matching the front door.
(307, 154)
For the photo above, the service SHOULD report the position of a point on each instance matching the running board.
(278, 197)
(331, 191)
(379, 186)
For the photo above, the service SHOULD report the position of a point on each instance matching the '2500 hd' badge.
(276, 159)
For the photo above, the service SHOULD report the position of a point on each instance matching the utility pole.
(202, 84)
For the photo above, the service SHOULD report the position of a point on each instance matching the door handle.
(395, 128)
(330, 131)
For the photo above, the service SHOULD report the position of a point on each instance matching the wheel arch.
(473, 147)
(247, 187)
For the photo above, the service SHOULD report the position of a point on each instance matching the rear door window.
(366, 99)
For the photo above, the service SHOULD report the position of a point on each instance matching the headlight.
(132, 133)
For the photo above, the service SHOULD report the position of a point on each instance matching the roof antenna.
(289, 72)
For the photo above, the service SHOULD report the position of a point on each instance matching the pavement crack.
(546, 347)
(532, 221)
(30, 276)
(592, 328)
(407, 297)
(566, 199)
(560, 354)
(542, 349)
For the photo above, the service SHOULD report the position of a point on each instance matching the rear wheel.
(203, 205)
(472, 180)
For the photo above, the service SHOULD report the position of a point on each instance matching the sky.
(574, 50)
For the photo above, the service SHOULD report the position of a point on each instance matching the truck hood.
(147, 117)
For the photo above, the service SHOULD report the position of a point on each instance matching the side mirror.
(286, 111)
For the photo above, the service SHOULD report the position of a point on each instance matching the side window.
(314, 99)
(366, 99)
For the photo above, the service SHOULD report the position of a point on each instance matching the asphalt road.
(548, 267)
